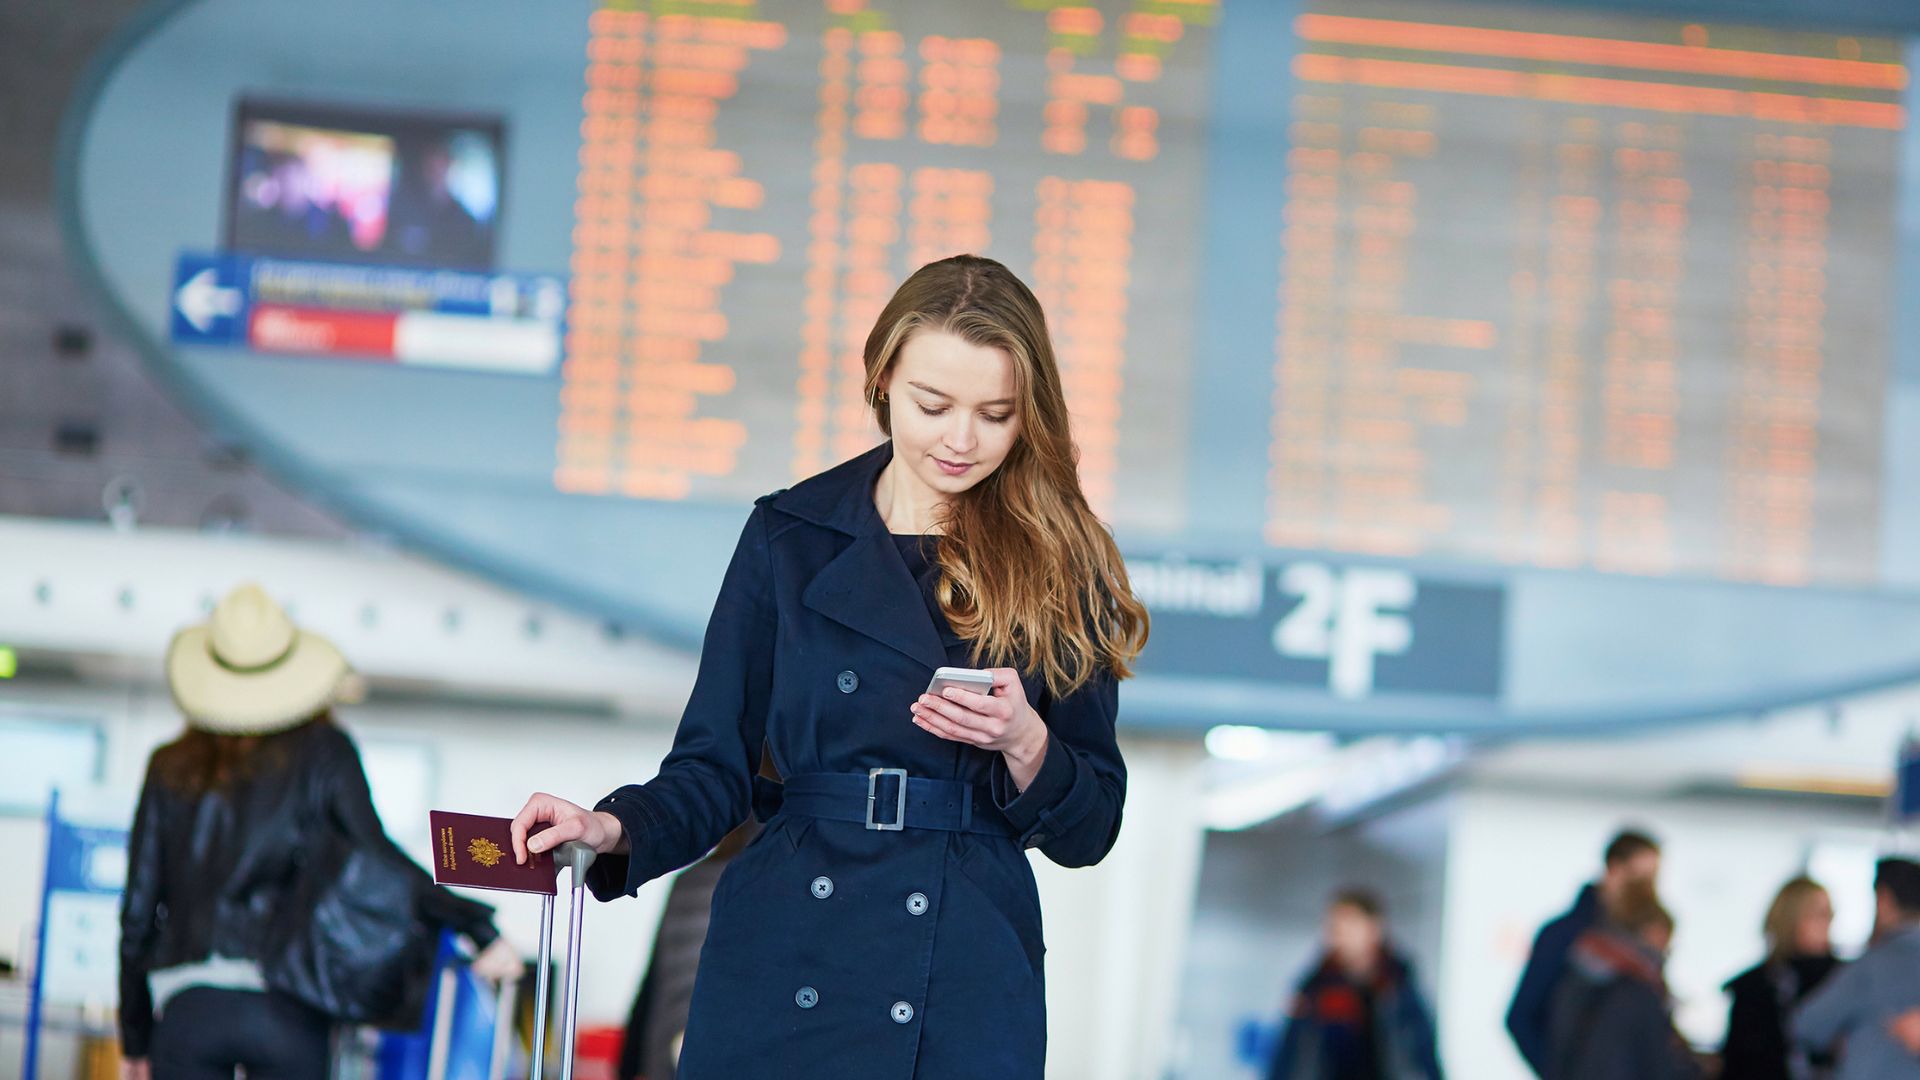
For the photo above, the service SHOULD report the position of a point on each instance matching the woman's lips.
(953, 468)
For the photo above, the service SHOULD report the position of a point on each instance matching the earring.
(881, 397)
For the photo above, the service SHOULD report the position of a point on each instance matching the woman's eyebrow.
(949, 397)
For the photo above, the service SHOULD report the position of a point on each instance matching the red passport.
(477, 852)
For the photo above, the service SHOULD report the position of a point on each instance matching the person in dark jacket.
(1799, 958)
(235, 821)
(1632, 857)
(886, 925)
(1611, 1017)
(1357, 1014)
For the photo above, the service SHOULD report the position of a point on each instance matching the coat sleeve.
(350, 801)
(140, 921)
(705, 786)
(1071, 810)
(1423, 1040)
(1748, 1018)
(1527, 1017)
(1830, 1012)
(1291, 1054)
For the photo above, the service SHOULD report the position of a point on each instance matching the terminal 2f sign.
(1356, 632)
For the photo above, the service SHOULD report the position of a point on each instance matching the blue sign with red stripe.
(439, 318)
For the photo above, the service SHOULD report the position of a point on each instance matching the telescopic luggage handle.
(576, 857)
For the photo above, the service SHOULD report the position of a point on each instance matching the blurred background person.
(428, 222)
(1864, 1009)
(1358, 1014)
(264, 901)
(1611, 1015)
(1632, 859)
(1799, 958)
(650, 1048)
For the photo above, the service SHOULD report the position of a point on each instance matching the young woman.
(1799, 958)
(886, 924)
(237, 947)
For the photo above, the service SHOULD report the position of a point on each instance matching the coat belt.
(874, 801)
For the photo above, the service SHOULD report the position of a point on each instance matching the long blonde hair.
(1027, 573)
(1784, 915)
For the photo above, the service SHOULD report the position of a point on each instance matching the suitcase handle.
(575, 856)
(578, 858)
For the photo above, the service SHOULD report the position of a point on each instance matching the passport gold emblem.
(485, 852)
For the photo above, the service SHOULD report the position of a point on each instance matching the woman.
(1799, 958)
(1358, 1014)
(1612, 1017)
(886, 924)
(253, 820)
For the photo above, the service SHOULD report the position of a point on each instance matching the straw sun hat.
(249, 671)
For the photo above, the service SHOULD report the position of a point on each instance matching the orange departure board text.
(756, 179)
(1512, 284)
(1583, 291)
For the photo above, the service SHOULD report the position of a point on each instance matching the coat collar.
(866, 587)
(842, 497)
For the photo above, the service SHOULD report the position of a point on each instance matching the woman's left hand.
(1001, 720)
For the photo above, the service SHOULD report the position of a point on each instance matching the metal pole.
(503, 1029)
(443, 1001)
(30, 1066)
(538, 1068)
(570, 1018)
(577, 857)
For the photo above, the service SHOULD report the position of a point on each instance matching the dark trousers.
(203, 1033)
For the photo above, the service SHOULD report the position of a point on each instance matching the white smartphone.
(978, 680)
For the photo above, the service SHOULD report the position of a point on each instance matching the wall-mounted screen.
(309, 180)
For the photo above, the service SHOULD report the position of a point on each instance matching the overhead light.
(1808, 783)
(1238, 742)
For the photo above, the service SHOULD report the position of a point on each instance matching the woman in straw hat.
(264, 902)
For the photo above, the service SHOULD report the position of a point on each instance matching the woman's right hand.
(597, 829)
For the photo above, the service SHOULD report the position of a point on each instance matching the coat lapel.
(866, 587)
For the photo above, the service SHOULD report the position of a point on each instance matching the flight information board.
(752, 192)
(1556, 288)
(1580, 291)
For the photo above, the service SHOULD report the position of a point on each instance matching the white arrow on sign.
(202, 300)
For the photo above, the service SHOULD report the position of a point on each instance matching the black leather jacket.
(222, 872)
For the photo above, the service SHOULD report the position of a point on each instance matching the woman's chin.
(947, 484)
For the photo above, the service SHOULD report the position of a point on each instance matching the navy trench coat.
(836, 950)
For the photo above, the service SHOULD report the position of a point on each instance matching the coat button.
(917, 904)
(807, 997)
(822, 888)
(848, 682)
(902, 1012)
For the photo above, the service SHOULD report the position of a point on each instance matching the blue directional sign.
(503, 323)
(210, 299)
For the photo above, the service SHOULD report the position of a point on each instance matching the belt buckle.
(873, 795)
